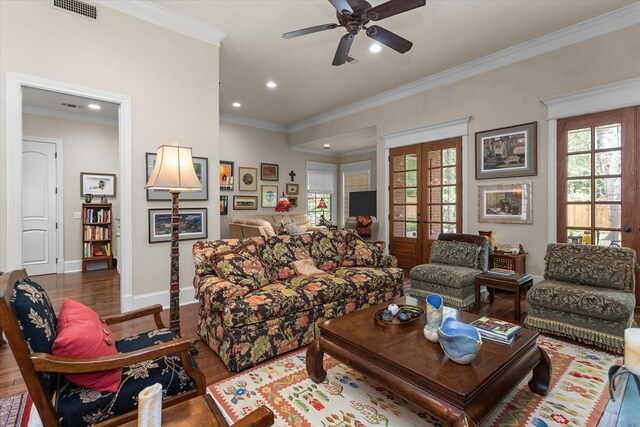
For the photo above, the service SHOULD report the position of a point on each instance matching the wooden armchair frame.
(32, 363)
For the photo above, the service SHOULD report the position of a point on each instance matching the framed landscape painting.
(193, 224)
(248, 179)
(507, 204)
(201, 166)
(245, 203)
(507, 152)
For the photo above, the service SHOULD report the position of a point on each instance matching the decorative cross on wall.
(292, 174)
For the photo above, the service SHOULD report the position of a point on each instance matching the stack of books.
(497, 330)
(501, 271)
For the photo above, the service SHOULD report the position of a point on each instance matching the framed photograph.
(292, 189)
(97, 184)
(201, 166)
(506, 204)
(226, 175)
(269, 196)
(248, 179)
(293, 201)
(245, 203)
(224, 205)
(269, 172)
(193, 224)
(507, 152)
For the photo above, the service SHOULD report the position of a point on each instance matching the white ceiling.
(445, 34)
(49, 103)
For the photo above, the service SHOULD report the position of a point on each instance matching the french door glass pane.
(398, 213)
(449, 175)
(579, 215)
(434, 230)
(411, 162)
(435, 159)
(412, 229)
(579, 190)
(435, 176)
(606, 237)
(579, 165)
(398, 163)
(412, 179)
(609, 189)
(412, 195)
(435, 213)
(399, 196)
(449, 194)
(449, 213)
(449, 157)
(608, 136)
(435, 195)
(399, 179)
(579, 140)
(608, 216)
(609, 163)
(412, 213)
(577, 233)
(449, 228)
(398, 229)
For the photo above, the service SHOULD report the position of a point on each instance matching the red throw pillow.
(81, 334)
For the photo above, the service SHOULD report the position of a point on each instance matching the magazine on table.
(497, 330)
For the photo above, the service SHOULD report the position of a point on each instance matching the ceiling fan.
(354, 15)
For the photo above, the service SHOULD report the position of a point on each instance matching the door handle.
(425, 221)
(627, 229)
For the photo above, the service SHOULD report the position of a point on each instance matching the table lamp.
(322, 205)
(174, 171)
(283, 206)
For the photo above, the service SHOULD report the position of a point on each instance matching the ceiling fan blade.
(393, 7)
(342, 53)
(389, 39)
(302, 32)
(341, 6)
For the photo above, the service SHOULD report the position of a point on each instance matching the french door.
(598, 179)
(425, 194)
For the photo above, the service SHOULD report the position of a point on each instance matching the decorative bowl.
(415, 313)
(459, 341)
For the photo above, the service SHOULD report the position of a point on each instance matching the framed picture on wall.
(226, 175)
(245, 203)
(269, 171)
(201, 166)
(293, 201)
(224, 205)
(97, 184)
(507, 152)
(507, 203)
(248, 179)
(193, 224)
(292, 188)
(269, 196)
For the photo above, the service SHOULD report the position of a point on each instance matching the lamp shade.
(174, 170)
(283, 204)
(321, 204)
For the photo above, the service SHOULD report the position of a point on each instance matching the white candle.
(632, 350)
(150, 406)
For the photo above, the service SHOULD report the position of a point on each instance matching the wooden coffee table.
(516, 283)
(401, 359)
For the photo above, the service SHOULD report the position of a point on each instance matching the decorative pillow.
(81, 334)
(293, 228)
(280, 252)
(241, 266)
(306, 267)
(360, 253)
(327, 249)
(461, 254)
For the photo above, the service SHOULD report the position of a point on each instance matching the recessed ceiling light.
(271, 84)
(375, 48)
(94, 106)
(327, 146)
(236, 105)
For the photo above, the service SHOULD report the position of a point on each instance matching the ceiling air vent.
(78, 7)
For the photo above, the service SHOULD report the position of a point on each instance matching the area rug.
(578, 394)
(15, 410)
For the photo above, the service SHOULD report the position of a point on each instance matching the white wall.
(248, 147)
(172, 81)
(87, 147)
(508, 96)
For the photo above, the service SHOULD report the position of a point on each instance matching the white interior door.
(39, 206)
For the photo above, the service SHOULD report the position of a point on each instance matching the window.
(321, 184)
(355, 177)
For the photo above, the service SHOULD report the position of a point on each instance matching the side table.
(516, 283)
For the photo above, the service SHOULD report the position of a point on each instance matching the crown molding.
(431, 132)
(600, 25)
(314, 151)
(256, 123)
(39, 111)
(360, 151)
(167, 18)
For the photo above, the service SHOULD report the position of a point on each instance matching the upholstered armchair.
(352, 224)
(454, 261)
(588, 294)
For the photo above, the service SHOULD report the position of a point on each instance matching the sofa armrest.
(389, 261)
(214, 292)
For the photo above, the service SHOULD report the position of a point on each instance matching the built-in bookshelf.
(97, 234)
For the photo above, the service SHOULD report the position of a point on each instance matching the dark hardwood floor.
(100, 291)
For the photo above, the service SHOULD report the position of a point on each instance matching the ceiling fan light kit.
(354, 15)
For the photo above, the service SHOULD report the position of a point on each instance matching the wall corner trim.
(256, 123)
(430, 132)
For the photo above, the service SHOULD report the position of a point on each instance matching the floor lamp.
(174, 171)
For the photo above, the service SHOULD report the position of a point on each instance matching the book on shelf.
(497, 330)
(501, 271)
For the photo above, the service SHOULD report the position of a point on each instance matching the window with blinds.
(321, 184)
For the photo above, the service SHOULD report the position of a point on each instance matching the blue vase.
(459, 341)
(435, 307)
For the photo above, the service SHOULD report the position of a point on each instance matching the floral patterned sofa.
(256, 301)
(588, 294)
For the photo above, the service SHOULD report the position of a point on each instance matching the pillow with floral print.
(241, 266)
(360, 253)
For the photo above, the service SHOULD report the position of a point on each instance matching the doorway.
(425, 197)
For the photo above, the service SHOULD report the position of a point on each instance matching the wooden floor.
(100, 291)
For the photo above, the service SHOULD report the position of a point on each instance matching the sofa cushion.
(595, 302)
(327, 249)
(442, 274)
(202, 251)
(322, 288)
(600, 266)
(279, 252)
(366, 279)
(274, 300)
(242, 266)
(215, 292)
(360, 253)
(461, 254)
